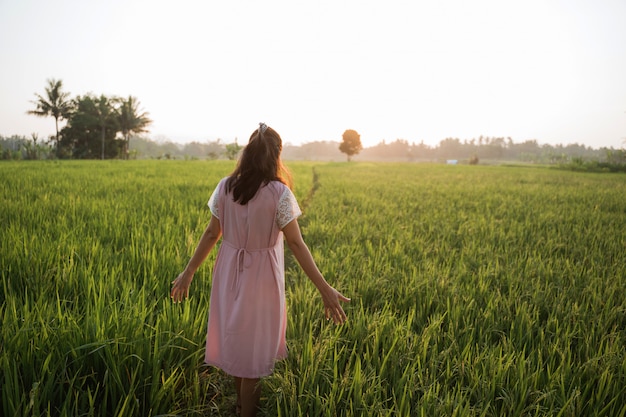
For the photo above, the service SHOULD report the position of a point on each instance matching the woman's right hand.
(180, 287)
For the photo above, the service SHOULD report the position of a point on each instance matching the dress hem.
(239, 374)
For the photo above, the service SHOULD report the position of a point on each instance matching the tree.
(451, 148)
(396, 150)
(131, 120)
(56, 104)
(351, 143)
(107, 118)
(92, 128)
(232, 150)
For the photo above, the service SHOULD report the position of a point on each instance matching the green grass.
(477, 291)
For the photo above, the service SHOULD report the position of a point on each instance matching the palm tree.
(56, 104)
(106, 115)
(131, 120)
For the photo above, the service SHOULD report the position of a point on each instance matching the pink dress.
(247, 314)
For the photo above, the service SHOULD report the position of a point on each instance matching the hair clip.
(262, 127)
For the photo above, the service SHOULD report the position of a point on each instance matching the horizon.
(165, 140)
(162, 139)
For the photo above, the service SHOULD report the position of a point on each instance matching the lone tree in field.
(351, 144)
(56, 103)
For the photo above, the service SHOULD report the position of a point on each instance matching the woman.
(252, 210)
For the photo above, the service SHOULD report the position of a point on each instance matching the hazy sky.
(549, 70)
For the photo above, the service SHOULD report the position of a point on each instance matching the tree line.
(481, 151)
(486, 149)
(97, 126)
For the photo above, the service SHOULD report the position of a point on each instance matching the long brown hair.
(259, 164)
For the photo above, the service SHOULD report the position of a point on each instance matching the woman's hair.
(259, 164)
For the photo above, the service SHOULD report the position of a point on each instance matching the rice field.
(476, 291)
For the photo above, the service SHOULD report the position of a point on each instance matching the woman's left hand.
(332, 308)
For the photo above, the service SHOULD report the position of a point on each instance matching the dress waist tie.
(241, 263)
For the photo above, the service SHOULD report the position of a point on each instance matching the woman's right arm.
(330, 296)
(180, 286)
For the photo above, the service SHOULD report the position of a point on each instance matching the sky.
(547, 70)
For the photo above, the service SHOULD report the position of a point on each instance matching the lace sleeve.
(288, 209)
(213, 201)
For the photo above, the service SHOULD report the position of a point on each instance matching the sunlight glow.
(545, 70)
